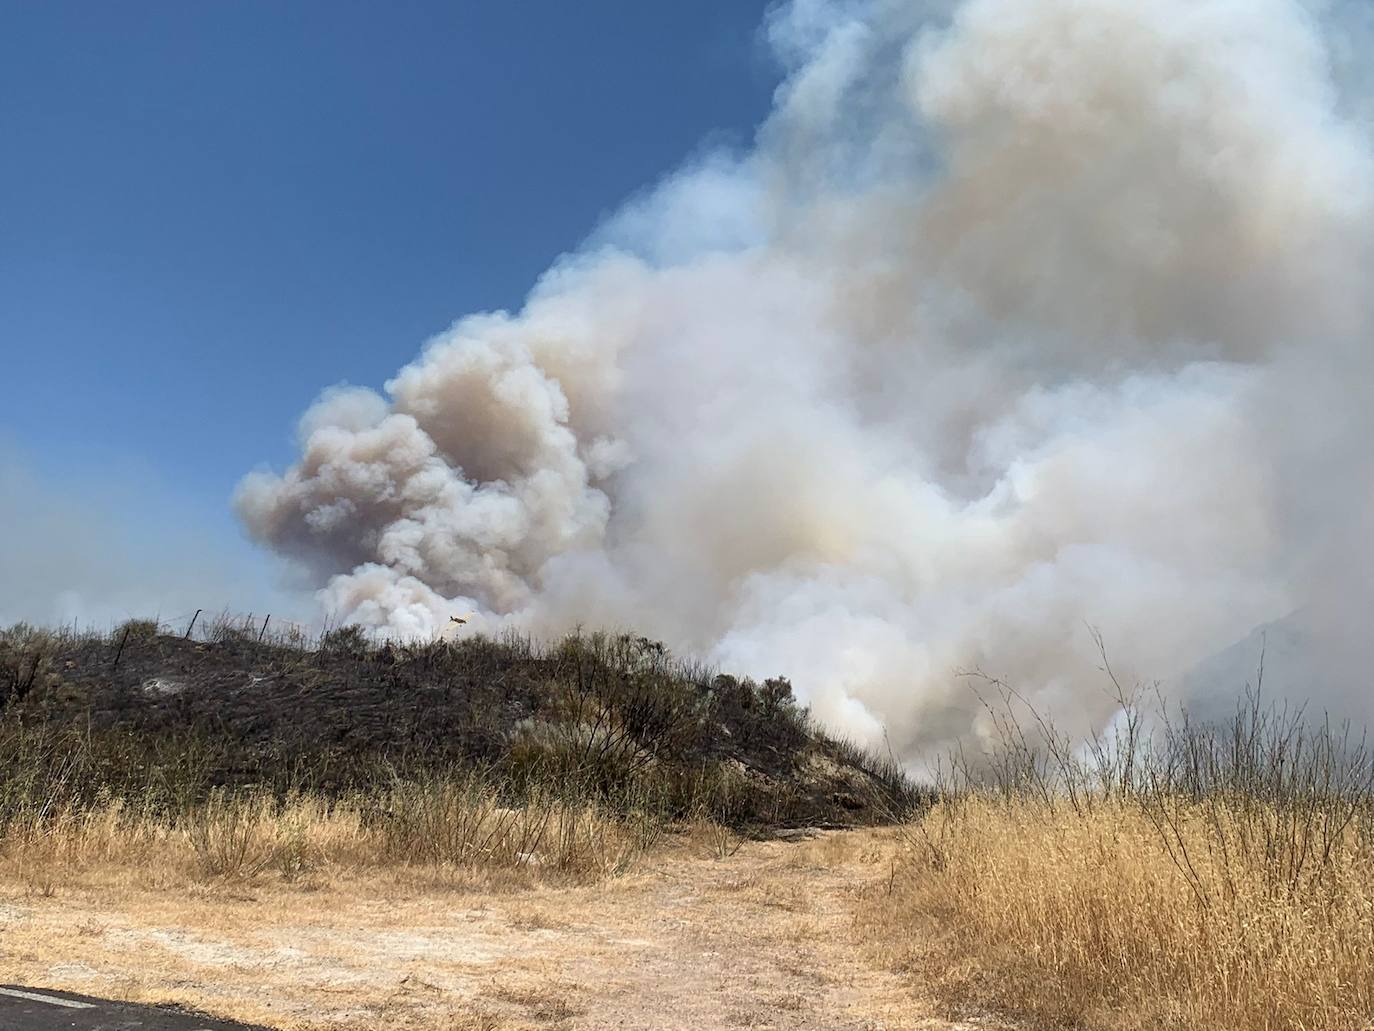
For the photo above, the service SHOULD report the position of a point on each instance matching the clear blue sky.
(210, 210)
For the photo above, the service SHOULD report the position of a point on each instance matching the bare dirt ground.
(763, 938)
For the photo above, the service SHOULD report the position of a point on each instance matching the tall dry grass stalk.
(440, 824)
(1084, 917)
(1177, 875)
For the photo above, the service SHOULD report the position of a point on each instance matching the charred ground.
(614, 716)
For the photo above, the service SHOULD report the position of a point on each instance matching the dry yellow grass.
(1136, 914)
(441, 824)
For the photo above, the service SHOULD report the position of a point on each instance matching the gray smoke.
(1020, 315)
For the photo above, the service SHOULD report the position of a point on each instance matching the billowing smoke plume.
(1021, 315)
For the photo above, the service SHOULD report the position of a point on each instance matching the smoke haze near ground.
(115, 541)
(1021, 315)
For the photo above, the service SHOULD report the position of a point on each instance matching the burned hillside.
(616, 716)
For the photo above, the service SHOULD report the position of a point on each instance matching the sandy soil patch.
(763, 938)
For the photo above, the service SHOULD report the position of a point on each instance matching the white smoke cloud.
(1021, 315)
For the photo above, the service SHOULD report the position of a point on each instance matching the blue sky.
(210, 211)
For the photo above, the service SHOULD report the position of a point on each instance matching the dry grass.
(1083, 918)
(1192, 877)
(440, 824)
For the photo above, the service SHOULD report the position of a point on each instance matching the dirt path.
(763, 938)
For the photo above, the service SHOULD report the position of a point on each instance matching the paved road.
(34, 1009)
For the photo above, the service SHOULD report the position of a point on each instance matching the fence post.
(120, 652)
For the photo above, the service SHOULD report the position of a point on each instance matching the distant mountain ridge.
(1307, 658)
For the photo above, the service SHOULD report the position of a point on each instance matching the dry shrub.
(714, 839)
(464, 820)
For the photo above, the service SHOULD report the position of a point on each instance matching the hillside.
(616, 716)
